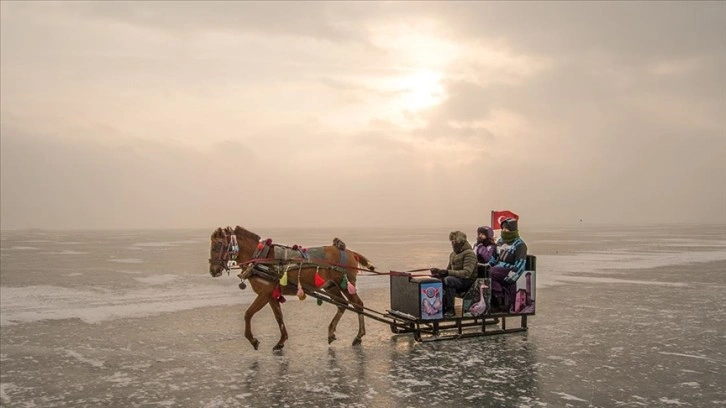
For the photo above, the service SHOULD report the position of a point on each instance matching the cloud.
(634, 31)
(316, 20)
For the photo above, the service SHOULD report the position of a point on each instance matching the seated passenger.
(485, 247)
(506, 269)
(460, 272)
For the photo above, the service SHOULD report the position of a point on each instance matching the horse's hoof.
(242, 285)
(331, 338)
(255, 344)
(278, 347)
(356, 341)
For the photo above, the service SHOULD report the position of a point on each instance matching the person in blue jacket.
(508, 266)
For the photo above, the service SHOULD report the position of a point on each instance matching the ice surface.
(68, 252)
(79, 357)
(127, 260)
(568, 397)
(624, 319)
(34, 303)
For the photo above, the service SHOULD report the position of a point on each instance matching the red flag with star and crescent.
(499, 216)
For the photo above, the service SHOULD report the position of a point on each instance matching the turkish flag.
(499, 216)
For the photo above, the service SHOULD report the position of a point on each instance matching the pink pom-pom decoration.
(351, 288)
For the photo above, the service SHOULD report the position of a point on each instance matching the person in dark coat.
(460, 273)
(508, 266)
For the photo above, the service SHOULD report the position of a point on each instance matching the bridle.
(227, 250)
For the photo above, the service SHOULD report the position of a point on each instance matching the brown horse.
(331, 265)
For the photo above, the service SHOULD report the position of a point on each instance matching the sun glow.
(421, 53)
(418, 90)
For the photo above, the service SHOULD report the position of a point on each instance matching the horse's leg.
(335, 292)
(358, 304)
(259, 302)
(277, 310)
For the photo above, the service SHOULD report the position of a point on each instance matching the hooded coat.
(462, 261)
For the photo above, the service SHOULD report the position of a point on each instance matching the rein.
(230, 250)
(330, 265)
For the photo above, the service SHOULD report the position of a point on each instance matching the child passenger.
(485, 247)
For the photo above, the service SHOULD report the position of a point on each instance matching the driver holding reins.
(460, 273)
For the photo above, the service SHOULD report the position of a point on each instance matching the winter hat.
(486, 231)
(510, 223)
(457, 236)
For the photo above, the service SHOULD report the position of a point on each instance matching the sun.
(418, 90)
(410, 78)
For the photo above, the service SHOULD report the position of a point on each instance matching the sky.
(304, 114)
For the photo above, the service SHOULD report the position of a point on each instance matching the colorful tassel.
(318, 280)
(300, 293)
(351, 288)
(283, 280)
(320, 302)
(276, 292)
(344, 282)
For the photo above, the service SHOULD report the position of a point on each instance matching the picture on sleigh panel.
(524, 295)
(432, 306)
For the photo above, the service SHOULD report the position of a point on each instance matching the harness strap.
(343, 257)
(265, 250)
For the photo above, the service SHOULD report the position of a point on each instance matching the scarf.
(509, 236)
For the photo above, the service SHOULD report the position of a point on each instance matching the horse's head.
(229, 244)
(219, 252)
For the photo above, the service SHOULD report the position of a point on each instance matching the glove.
(435, 272)
(510, 278)
(443, 273)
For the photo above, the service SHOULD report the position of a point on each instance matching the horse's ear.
(238, 230)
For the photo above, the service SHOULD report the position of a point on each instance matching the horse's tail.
(363, 261)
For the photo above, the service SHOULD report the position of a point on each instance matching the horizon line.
(298, 227)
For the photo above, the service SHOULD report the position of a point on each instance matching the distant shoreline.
(683, 224)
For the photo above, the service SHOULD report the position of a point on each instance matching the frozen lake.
(132, 318)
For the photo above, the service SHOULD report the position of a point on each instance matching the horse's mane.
(243, 233)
